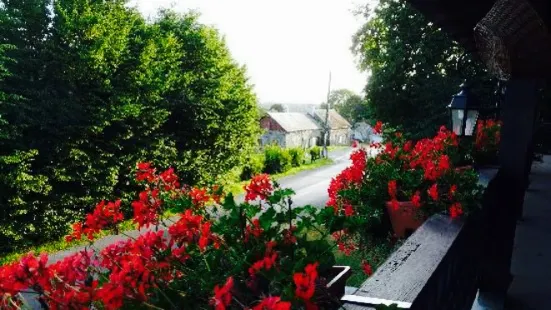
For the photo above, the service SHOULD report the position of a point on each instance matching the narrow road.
(310, 187)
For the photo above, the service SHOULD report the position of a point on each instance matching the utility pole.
(326, 129)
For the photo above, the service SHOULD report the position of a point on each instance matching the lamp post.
(464, 109)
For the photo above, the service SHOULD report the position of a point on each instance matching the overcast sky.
(288, 46)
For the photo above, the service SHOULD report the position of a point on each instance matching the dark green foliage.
(297, 156)
(415, 69)
(315, 153)
(89, 89)
(254, 164)
(276, 159)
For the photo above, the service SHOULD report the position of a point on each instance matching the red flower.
(103, 216)
(198, 196)
(145, 173)
(408, 146)
(378, 127)
(306, 282)
(416, 199)
(366, 267)
(272, 303)
(392, 189)
(433, 192)
(348, 210)
(253, 229)
(394, 204)
(444, 163)
(259, 187)
(456, 210)
(354, 144)
(390, 150)
(288, 235)
(147, 208)
(222, 295)
(170, 179)
(266, 263)
(344, 242)
(453, 189)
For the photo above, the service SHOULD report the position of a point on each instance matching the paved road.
(310, 187)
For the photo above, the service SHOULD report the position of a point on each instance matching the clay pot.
(405, 220)
(463, 168)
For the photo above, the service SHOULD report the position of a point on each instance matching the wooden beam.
(504, 196)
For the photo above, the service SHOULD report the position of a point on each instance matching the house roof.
(335, 120)
(290, 121)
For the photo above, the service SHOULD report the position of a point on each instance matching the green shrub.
(297, 156)
(276, 159)
(254, 164)
(315, 153)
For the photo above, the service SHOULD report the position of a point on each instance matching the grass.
(237, 187)
(61, 245)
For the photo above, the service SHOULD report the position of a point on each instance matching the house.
(340, 130)
(290, 129)
(363, 132)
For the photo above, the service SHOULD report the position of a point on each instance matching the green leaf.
(267, 218)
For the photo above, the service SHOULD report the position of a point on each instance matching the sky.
(288, 46)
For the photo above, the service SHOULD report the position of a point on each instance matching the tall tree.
(277, 107)
(88, 88)
(349, 104)
(415, 68)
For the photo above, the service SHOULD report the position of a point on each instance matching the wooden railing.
(436, 268)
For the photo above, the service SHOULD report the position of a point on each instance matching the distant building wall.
(273, 137)
(340, 136)
(268, 123)
(304, 138)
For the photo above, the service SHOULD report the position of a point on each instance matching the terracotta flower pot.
(404, 220)
(463, 168)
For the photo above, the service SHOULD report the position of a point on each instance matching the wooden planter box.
(335, 283)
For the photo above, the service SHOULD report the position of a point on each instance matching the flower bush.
(486, 146)
(423, 173)
(260, 254)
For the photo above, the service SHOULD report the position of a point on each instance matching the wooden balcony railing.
(436, 268)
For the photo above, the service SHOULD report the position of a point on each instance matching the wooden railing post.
(505, 194)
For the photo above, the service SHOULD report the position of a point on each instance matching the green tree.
(277, 107)
(415, 68)
(349, 104)
(88, 88)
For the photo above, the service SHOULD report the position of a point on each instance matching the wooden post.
(504, 196)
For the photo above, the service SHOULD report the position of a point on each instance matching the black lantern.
(464, 110)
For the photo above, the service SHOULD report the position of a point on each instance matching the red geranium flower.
(392, 188)
(222, 295)
(456, 210)
(259, 187)
(378, 127)
(416, 199)
(306, 282)
(366, 267)
(433, 192)
(272, 303)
